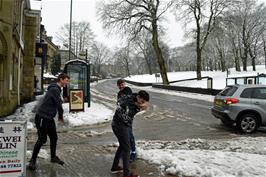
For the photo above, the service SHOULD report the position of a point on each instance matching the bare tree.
(134, 16)
(245, 23)
(264, 46)
(204, 13)
(143, 44)
(122, 59)
(99, 54)
(82, 36)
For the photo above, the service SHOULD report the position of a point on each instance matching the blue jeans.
(132, 140)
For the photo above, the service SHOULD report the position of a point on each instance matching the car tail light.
(231, 101)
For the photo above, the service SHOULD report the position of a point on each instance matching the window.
(246, 93)
(228, 91)
(259, 93)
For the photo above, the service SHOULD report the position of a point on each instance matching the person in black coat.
(125, 90)
(44, 119)
(127, 107)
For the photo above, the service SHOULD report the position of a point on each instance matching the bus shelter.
(254, 79)
(79, 73)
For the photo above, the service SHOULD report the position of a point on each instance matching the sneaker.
(32, 164)
(117, 169)
(133, 157)
(57, 160)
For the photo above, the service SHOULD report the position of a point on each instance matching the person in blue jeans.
(125, 90)
(127, 107)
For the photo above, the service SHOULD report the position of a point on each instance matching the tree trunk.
(264, 49)
(198, 63)
(245, 54)
(253, 57)
(198, 50)
(244, 60)
(211, 65)
(237, 64)
(158, 52)
(148, 64)
(127, 68)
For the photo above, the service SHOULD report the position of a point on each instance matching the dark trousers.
(132, 140)
(45, 127)
(123, 150)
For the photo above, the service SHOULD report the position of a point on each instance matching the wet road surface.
(170, 118)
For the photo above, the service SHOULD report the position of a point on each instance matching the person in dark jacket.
(44, 119)
(128, 106)
(125, 90)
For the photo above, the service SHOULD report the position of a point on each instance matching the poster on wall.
(13, 148)
(76, 100)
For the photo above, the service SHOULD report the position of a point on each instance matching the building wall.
(52, 49)
(8, 95)
(28, 63)
(12, 44)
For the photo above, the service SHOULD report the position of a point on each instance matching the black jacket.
(126, 110)
(51, 103)
(125, 91)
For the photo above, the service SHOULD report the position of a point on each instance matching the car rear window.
(228, 91)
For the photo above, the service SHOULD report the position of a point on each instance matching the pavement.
(85, 155)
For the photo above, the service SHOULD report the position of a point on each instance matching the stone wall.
(28, 63)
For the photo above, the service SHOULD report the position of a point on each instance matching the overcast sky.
(55, 13)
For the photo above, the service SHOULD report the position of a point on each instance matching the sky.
(232, 156)
(55, 13)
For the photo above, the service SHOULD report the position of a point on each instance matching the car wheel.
(248, 123)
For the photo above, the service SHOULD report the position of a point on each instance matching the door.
(259, 100)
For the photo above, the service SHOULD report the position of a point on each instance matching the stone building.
(52, 49)
(18, 31)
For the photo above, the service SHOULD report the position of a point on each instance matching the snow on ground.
(238, 157)
(244, 156)
(219, 78)
(197, 96)
(97, 113)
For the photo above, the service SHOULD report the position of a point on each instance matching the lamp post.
(70, 28)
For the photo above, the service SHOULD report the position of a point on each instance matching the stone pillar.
(28, 60)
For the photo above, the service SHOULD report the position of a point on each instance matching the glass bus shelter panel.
(240, 81)
(78, 77)
(262, 80)
(231, 81)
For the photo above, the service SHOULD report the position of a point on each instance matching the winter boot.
(133, 156)
(57, 160)
(32, 164)
(116, 169)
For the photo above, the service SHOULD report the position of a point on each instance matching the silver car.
(243, 105)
